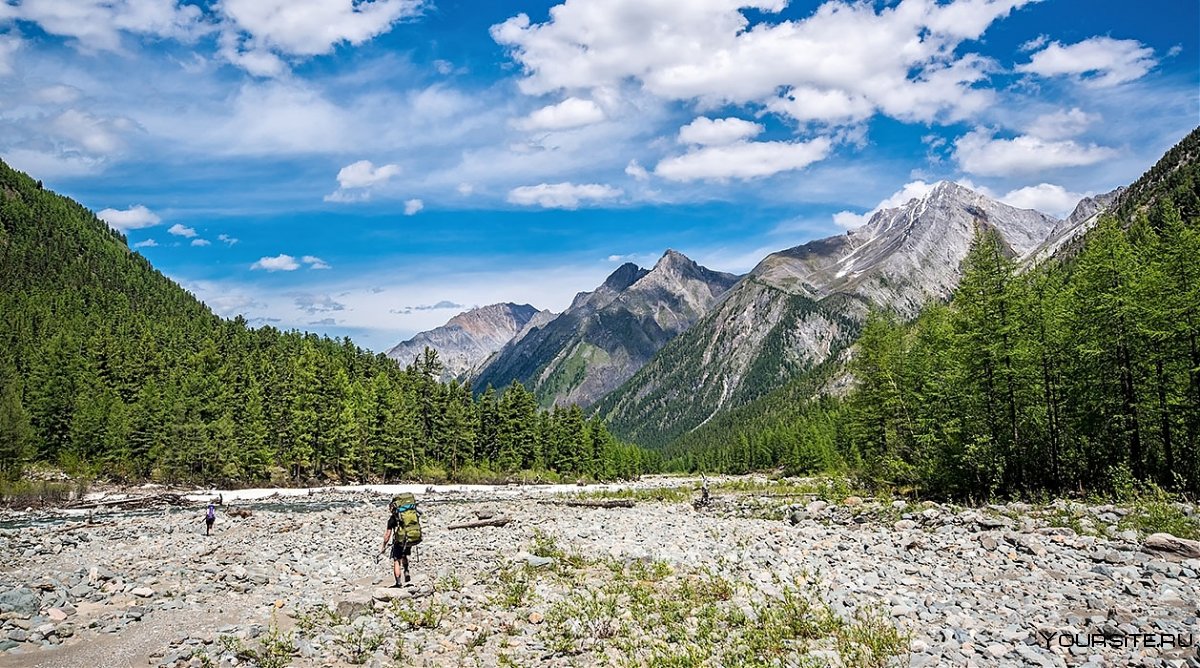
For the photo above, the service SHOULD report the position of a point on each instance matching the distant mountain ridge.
(608, 334)
(468, 339)
(800, 306)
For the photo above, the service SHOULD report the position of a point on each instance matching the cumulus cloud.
(572, 112)
(903, 59)
(93, 134)
(742, 160)
(980, 152)
(562, 195)
(226, 239)
(315, 262)
(1045, 197)
(148, 243)
(257, 30)
(181, 230)
(201, 242)
(1061, 124)
(134, 218)
(357, 179)
(709, 132)
(97, 25)
(281, 262)
(635, 169)
(413, 206)
(910, 191)
(1098, 61)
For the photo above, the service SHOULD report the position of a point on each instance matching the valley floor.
(768, 574)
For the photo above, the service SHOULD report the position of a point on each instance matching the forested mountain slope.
(107, 366)
(802, 306)
(1076, 374)
(606, 335)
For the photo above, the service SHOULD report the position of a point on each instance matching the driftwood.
(165, 499)
(601, 503)
(496, 522)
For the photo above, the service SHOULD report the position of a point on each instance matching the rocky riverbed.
(767, 574)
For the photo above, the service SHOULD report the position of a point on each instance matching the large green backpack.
(408, 519)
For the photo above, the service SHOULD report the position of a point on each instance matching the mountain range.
(659, 352)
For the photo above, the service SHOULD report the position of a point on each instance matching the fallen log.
(601, 503)
(134, 502)
(496, 522)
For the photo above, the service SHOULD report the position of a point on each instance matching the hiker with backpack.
(404, 530)
(210, 516)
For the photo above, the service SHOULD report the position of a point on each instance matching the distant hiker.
(210, 516)
(404, 530)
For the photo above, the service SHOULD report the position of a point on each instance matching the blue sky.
(370, 168)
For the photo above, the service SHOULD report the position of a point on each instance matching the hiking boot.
(396, 585)
(407, 577)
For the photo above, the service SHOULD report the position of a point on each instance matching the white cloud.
(47, 165)
(562, 195)
(1098, 61)
(1061, 124)
(281, 262)
(180, 230)
(256, 30)
(413, 206)
(840, 64)
(979, 152)
(572, 112)
(97, 25)
(357, 179)
(910, 191)
(364, 174)
(134, 218)
(148, 243)
(315, 262)
(635, 169)
(225, 238)
(710, 132)
(743, 160)
(314, 27)
(92, 134)
(9, 44)
(465, 189)
(57, 94)
(201, 242)
(1045, 197)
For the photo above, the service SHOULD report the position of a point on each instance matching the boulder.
(21, 601)
(1165, 543)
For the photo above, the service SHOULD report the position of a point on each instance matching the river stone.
(354, 606)
(391, 593)
(143, 592)
(1165, 543)
(56, 615)
(21, 601)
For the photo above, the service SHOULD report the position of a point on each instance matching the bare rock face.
(606, 335)
(470, 338)
(802, 305)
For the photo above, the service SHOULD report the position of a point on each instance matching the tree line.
(109, 368)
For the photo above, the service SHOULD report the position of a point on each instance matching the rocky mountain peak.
(469, 338)
(623, 277)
